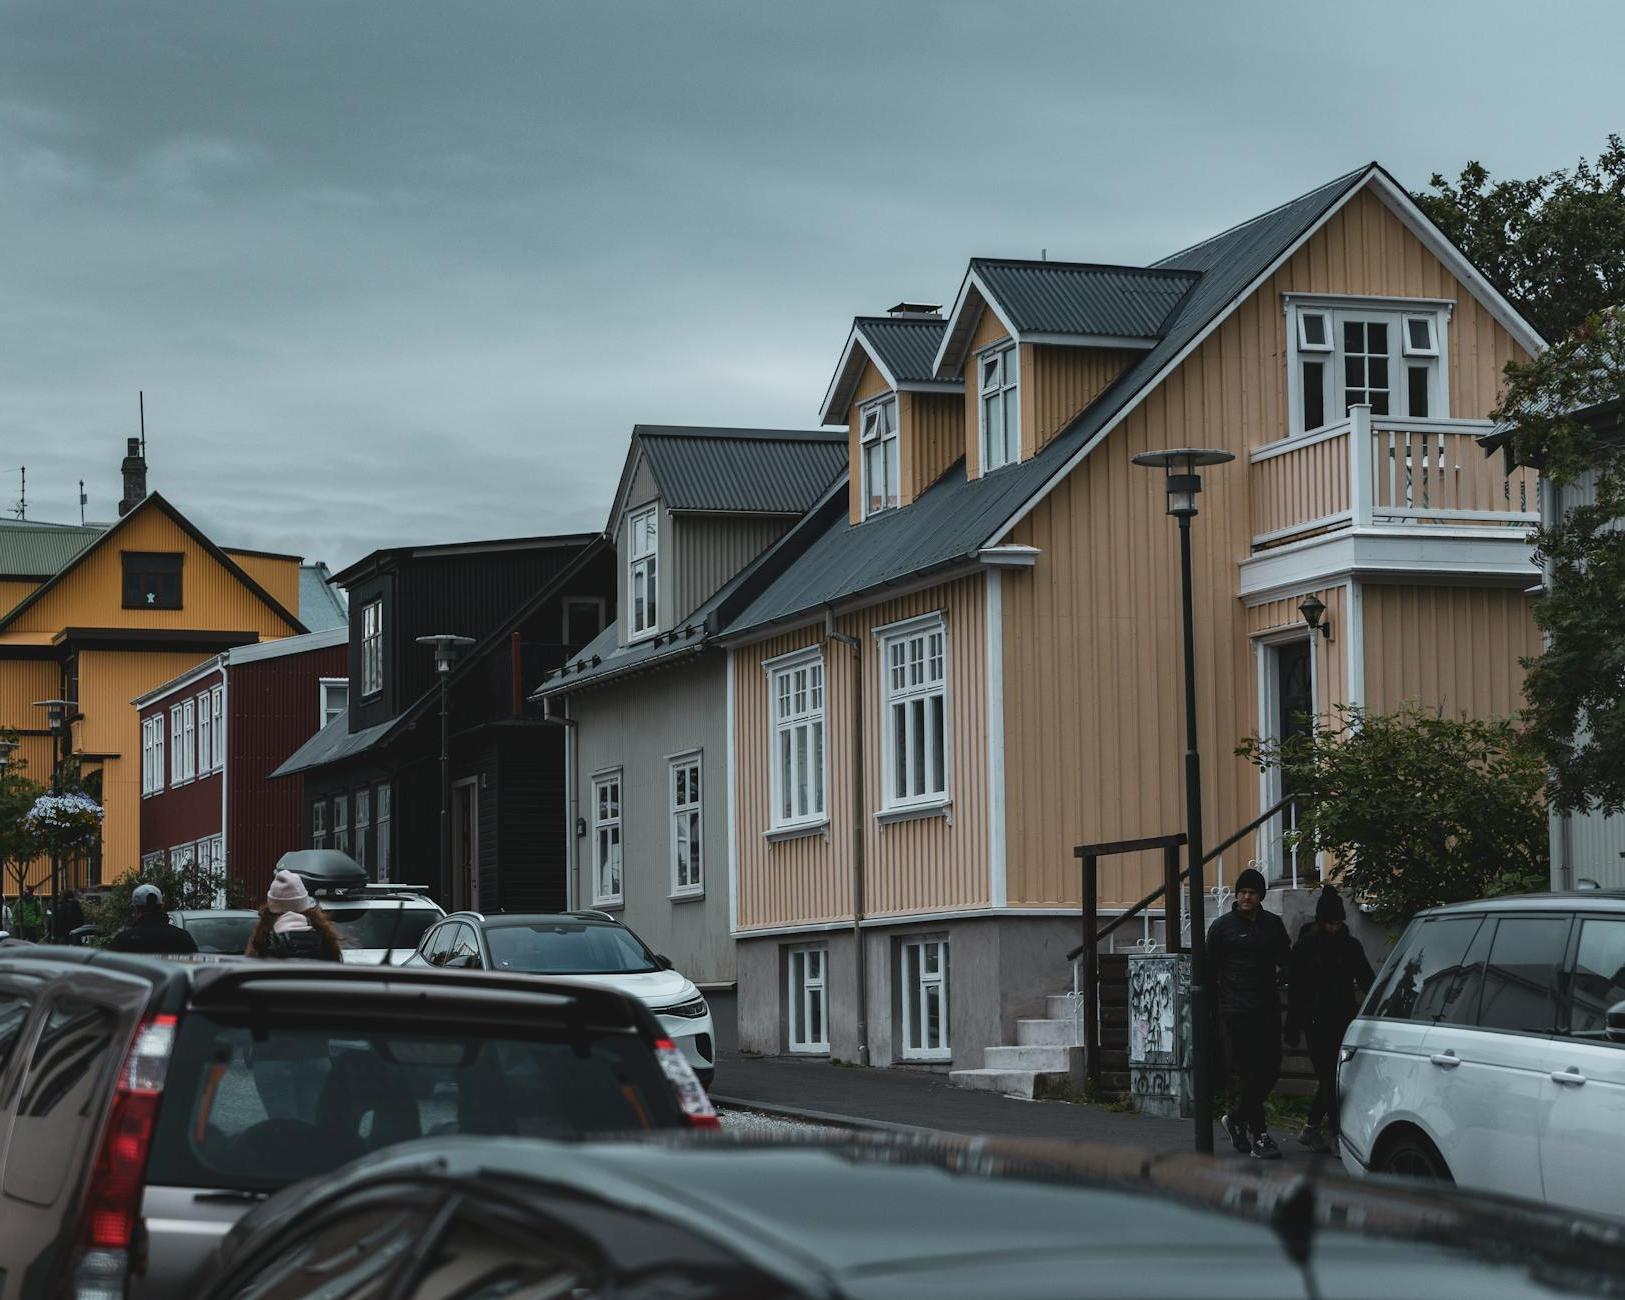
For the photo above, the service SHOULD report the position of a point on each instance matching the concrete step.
(1029, 1058)
(1064, 1006)
(1012, 1083)
(1048, 1033)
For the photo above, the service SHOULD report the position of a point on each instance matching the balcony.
(1386, 494)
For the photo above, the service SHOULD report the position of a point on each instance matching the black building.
(371, 776)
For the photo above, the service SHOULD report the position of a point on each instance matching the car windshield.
(383, 925)
(256, 1106)
(222, 934)
(568, 948)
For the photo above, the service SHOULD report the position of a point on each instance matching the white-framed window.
(381, 800)
(341, 823)
(177, 755)
(363, 823)
(687, 826)
(796, 708)
(154, 859)
(211, 856)
(806, 1018)
(1381, 353)
(881, 471)
(335, 698)
(372, 647)
(152, 754)
(205, 733)
(606, 837)
(643, 572)
(183, 858)
(914, 712)
(189, 738)
(318, 824)
(217, 706)
(997, 381)
(923, 985)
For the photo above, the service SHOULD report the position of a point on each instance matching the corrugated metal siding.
(275, 706)
(179, 814)
(913, 866)
(1093, 705)
(13, 590)
(41, 549)
(707, 551)
(212, 597)
(766, 475)
(278, 576)
(907, 347)
(1069, 298)
(1058, 382)
(1454, 648)
(1331, 657)
(932, 427)
(22, 681)
(1309, 483)
(1595, 849)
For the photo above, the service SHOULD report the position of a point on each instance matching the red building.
(210, 740)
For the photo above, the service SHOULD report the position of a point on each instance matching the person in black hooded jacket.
(1328, 974)
(151, 931)
(1246, 950)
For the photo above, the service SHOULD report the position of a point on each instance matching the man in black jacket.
(1247, 949)
(1329, 972)
(151, 930)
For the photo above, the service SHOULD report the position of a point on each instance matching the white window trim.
(1265, 645)
(649, 563)
(696, 759)
(891, 461)
(205, 733)
(341, 822)
(909, 998)
(796, 998)
(884, 637)
(616, 777)
(772, 668)
(318, 824)
(323, 685)
(217, 707)
(189, 738)
(1396, 311)
(382, 800)
(1010, 390)
(372, 675)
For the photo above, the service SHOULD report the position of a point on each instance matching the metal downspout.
(860, 964)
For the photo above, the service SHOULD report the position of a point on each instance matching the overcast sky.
(409, 270)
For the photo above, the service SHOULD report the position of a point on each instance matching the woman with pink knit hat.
(292, 925)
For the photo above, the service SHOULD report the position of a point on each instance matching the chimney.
(135, 478)
(915, 311)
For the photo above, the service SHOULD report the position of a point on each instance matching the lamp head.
(1179, 466)
(447, 647)
(1313, 609)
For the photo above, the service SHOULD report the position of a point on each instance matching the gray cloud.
(407, 271)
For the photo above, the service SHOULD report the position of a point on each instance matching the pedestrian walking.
(293, 925)
(1325, 981)
(69, 916)
(30, 916)
(151, 931)
(1248, 948)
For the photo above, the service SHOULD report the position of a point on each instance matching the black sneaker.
(1237, 1132)
(1315, 1140)
(1264, 1148)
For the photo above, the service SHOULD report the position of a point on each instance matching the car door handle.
(1571, 1077)
(1445, 1060)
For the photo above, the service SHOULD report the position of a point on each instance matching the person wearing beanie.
(292, 925)
(1246, 951)
(1327, 976)
(151, 931)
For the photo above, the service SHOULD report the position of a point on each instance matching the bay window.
(914, 702)
(880, 456)
(1000, 407)
(1346, 352)
(643, 575)
(796, 707)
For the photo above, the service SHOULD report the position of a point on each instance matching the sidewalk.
(918, 1100)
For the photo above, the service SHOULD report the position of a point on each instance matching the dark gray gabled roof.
(741, 471)
(1130, 302)
(954, 519)
(905, 348)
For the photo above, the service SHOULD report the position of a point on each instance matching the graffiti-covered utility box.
(1159, 1033)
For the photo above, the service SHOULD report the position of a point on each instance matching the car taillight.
(691, 1098)
(107, 1225)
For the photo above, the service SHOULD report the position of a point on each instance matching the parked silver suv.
(1491, 1052)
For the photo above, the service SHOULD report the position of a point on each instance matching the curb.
(824, 1116)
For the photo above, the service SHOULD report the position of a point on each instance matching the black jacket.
(1246, 957)
(300, 945)
(152, 932)
(1327, 975)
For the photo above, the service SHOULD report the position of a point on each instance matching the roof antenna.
(82, 503)
(141, 401)
(22, 499)
(1043, 254)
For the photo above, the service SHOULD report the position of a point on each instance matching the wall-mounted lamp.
(1313, 609)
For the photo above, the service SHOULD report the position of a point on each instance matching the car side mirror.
(1615, 1023)
(665, 963)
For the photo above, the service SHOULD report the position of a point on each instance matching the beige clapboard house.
(974, 665)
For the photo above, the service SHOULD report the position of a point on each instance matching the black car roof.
(1575, 900)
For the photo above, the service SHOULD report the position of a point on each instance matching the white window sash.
(372, 648)
(608, 862)
(807, 999)
(643, 572)
(920, 989)
(799, 761)
(999, 407)
(205, 733)
(1401, 358)
(218, 707)
(916, 652)
(177, 752)
(685, 784)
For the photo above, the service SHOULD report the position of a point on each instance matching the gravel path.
(755, 1124)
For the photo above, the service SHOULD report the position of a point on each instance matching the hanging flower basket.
(66, 822)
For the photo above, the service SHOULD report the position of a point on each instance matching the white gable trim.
(629, 476)
(839, 393)
(961, 306)
(1397, 201)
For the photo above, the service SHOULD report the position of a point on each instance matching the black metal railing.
(1094, 934)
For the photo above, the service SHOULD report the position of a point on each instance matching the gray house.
(696, 521)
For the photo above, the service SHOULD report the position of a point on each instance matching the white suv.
(1491, 1052)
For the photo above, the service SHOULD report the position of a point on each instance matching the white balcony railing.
(1385, 472)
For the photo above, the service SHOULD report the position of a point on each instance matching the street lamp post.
(1182, 484)
(56, 714)
(446, 649)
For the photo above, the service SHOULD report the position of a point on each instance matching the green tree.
(1553, 244)
(1416, 809)
(1576, 686)
(20, 844)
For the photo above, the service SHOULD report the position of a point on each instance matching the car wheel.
(1410, 1155)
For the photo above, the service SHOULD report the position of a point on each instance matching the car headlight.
(687, 1010)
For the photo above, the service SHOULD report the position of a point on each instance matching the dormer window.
(1001, 415)
(372, 647)
(643, 583)
(880, 458)
(1346, 352)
